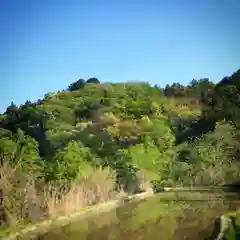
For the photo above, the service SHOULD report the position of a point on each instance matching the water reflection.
(160, 217)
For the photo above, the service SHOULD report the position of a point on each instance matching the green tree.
(77, 85)
(93, 80)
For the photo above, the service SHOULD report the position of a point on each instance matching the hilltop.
(136, 133)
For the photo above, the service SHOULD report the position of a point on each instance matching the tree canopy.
(175, 134)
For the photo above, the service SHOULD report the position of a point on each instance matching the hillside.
(133, 132)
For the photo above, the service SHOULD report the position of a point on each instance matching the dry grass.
(25, 201)
(13, 191)
(97, 188)
(144, 180)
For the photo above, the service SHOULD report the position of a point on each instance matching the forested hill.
(176, 135)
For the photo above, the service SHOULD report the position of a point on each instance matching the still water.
(166, 217)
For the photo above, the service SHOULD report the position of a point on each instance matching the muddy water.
(165, 216)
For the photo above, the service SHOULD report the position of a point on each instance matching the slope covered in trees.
(179, 135)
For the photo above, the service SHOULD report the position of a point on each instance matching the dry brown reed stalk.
(22, 201)
(25, 200)
(12, 186)
(144, 180)
(97, 188)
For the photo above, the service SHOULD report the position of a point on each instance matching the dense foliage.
(176, 135)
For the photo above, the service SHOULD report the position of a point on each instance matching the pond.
(164, 216)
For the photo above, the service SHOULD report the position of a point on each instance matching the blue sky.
(47, 44)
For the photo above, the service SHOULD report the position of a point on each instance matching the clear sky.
(47, 44)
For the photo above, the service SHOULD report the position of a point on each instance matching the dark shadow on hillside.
(195, 129)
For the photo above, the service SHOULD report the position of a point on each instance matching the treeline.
(195, 89)
(137, 133)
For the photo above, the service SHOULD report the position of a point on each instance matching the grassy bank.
(28, 201)
(34, 229)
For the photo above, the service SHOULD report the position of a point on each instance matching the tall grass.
(26, 199)
(97, 188)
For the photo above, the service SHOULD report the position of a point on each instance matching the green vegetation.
(232, 231)
(95, 139)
